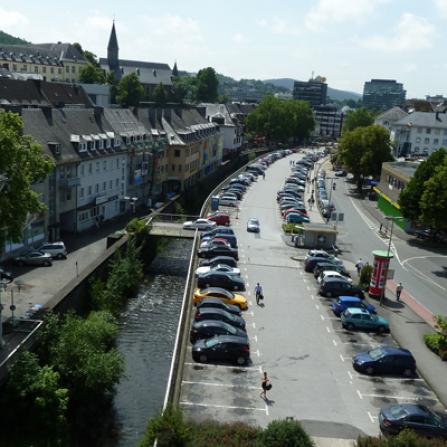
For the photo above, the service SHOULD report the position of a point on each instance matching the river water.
(146, 339)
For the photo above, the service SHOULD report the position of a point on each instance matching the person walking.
(265, 385)
(359, 266)
(258, 293)
(263, 175)
(399, 289)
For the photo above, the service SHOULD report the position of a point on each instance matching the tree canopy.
(410, 198)
(91, 74)
(363, 150)
(160, 95)
(280, 120)
(207, 85)
(129, 91)
(357, 118)
(23, 163)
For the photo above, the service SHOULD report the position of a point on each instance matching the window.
(81, 193)
(97, 166)
(44, 69)
(59, 70)
(428, 130)
(111, 165)
(14, 67)
(67, 69)
(117, 183)
(179, 168)
(177, 153)
(73, 69)
(52, 70)
(427, 140)
(418, 139)
(444, 142)
(417, 149)
(104, 165)
(110, 184)
(36, 69)
(435, 140)
(437, 131)
(104, 186)
(90, 190)
(173, 168)
(68, 196)
(117, 163)
(62, 172)
(97, 188)
(419, 129)
(90, 167)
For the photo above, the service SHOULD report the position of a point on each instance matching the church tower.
(112, 54)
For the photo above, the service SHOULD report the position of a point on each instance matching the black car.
(311, 261)
(219, 304)
(327, 265)
(220, 229)
(210, 328)
(218, 260)
(214, 250)
(5, 276)
(385, 360)
(220, 279)
(419, 418)
(212, 313)
(222, 348)
(335, 287)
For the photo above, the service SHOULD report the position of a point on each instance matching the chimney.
(167, 114)
(98, 112)
(48, 112)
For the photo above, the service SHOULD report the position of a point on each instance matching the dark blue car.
(343, 302)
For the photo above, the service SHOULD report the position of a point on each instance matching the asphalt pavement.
(296, 339)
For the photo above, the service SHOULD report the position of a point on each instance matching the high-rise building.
(383, 94)
(314, 91)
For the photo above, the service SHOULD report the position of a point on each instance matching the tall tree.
(357, 118)
(22, 163)
(207, 85)
(184, 88)
(160, 94)
(363, 150)
(410, 198)
(300, 119)
(90, 74)
(129, 90)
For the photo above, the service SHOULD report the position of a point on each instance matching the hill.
(7, 39)
(338, 95)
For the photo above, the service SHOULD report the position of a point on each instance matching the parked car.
(385, 360)
(57, 250)
(253, 225)
(219, 304)
(219, 217)
(294, 210)
(201, 330)
(230, 238)
(335, 287)
(215, 241)
(340, 173)
(34, 257)
(344, 302)
(325, 274)
(236, 192)
(228, 201)
(311, 261)
(216, 230)
(213, 251)
(418, 418)
(225, 295)
(199, 224)
(213, 313)
(297, 218)
(221, 279)
(356, 318)
(327, 264)
(218, 260)
(222, 348)
(218, 268)
(5, 275)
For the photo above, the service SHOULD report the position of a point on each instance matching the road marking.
(334, 342)
(386, 396)
(371, 417)
(245, 268)
(350, 375)
(252, 313)
(342, 358)
(317, 307)
(254, 325)
(421, 274)
(214, 366)
(248, 285)
(312, 297)
(228, 407)
(305, 280)
(250, 302)
(301, 273)
(258, 353)
(267, 410)
(388, 379)
(255, 337)
(223, 385)
(359, 394)
(308, 288)
(328, 329)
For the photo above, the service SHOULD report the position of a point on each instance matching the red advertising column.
(380, 271)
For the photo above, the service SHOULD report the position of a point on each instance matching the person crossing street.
(258, 293)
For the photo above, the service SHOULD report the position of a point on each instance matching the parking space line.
(350, 375)
(317, 307)
(371, 417)
(359, 394)
(267, 410)
(250, 302)
(388, 379)
(342, 358)
(254, 325)
(404, 398)
(252, 313)
(328, 329)
(322, 317)
(305, 280)
(248, 285)
(308, 288)
(258, 353)
(255, 338)
(228, 407)
(334, 342)
(214, 366)
(223, 385)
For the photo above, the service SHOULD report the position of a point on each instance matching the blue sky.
(348, 41)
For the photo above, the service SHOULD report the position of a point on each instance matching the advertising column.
(380, 272)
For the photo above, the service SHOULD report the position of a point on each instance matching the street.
(295, 338)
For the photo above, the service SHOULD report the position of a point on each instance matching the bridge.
(170, 225)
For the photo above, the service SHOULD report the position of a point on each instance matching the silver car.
(55, 249)
(34, 258)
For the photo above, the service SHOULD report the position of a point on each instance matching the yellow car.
(217, 292)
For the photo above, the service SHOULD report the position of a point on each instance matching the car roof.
(209, 300)
(391, 350)
(232, 339)
(349, 299)
(358, 310)
(414, 409)
(335, 280)
(222, 258)
(205, 323)
(216, 289)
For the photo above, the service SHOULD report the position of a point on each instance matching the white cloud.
(326, 12)
(412, 33)
(238, 38)
(279, 26)
(13, 21)
(442, 6)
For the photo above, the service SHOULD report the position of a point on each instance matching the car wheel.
(409, 372)
(369, 370)
(47, 263)
(350, 327)
(241, 360)
(60, 256)
(381, 329)
(203, 358)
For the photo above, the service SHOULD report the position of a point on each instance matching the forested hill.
(7, 39)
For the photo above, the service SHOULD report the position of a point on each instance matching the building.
(49, 61)
(383, 94)
(394, 177)
(313, 91)
(150, 74)
(419, 133)
(391, 116)
(328, 121)
(98, 94)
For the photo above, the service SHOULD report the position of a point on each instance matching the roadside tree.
(357, 118)
(22, 163)
(410, 198)
(129, 91)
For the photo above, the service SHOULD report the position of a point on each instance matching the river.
(146, 339)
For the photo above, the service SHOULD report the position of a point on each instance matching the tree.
(207, 85)
(285, 433)
(184, 88)
(357, 118)
(410, 198)
(129, 91)
(23, 163)
(300, 119)
(91, 74)
(433, 202)
(160, 94)
(363, 150)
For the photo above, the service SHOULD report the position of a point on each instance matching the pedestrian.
(266, 386)
(399, 289)
(263, 175)
(259, 294)
(380, 229)
(359, 266)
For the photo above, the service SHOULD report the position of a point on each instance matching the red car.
(294, 210)
(220, 218)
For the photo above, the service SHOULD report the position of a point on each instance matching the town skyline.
(348, 42)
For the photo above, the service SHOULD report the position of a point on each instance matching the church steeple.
(112, 53)
(175, 70)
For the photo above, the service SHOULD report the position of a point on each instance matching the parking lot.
(296, 338)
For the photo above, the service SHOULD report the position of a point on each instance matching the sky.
(347, 41)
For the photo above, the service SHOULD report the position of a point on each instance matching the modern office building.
(313, 91)
(383, 94)
(328, 121)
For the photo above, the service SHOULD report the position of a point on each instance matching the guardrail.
(173, 217)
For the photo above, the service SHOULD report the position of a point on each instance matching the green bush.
(437, 341)
(406, 438)
(137, 226)
(432, 341)
(365, 276)
(285, 433)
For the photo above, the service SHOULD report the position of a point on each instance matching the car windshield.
(398, 412)
(253, 221)
(231, 329)
(376, 354)
(211, 342)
